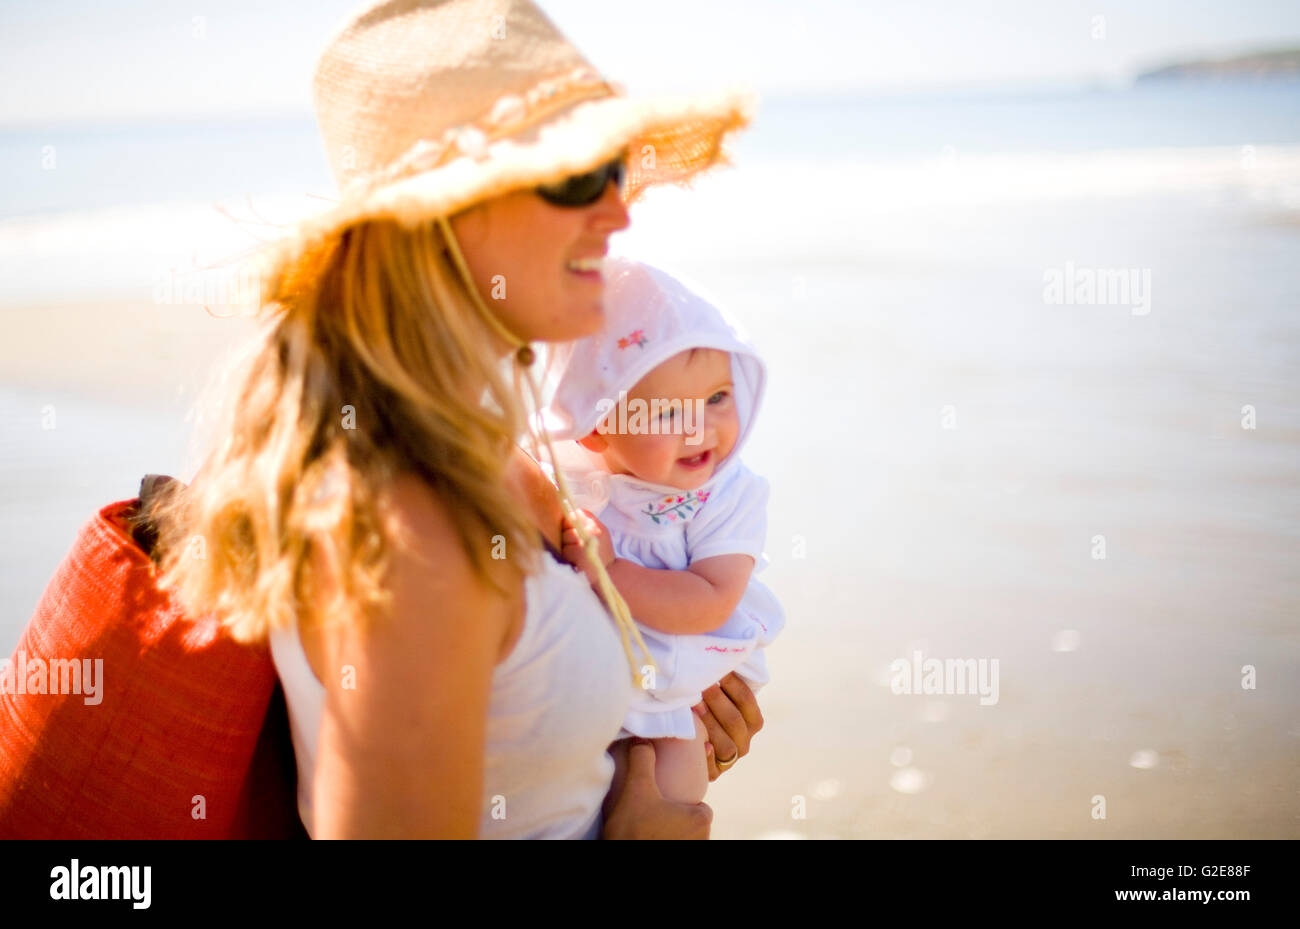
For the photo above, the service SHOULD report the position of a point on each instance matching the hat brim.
(669, 140)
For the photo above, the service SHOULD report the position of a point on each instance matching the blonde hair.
(375, 363)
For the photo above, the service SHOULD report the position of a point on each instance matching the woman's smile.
(589, 269)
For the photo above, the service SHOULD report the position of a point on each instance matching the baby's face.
(693, 440)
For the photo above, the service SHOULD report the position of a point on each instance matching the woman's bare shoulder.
(433, 592)
(418, 519)
(426, 547)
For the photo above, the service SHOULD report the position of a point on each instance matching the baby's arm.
(696, 600)
(690, 602)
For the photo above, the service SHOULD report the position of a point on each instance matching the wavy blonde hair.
(374, 363)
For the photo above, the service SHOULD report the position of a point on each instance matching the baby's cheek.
(644, 454)
(654, 454)
(730, 428)
(666, 449)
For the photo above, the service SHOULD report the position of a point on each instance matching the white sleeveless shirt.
(557, 702)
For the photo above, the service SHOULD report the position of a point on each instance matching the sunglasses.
(585, 189)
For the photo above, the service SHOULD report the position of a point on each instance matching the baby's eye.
(668, 413)
(719, 397)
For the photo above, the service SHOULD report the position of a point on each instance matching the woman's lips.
(589, 269)
(698, 461)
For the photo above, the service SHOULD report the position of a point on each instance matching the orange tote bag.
(166, 727)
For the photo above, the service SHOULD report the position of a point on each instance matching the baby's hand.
(573, 552)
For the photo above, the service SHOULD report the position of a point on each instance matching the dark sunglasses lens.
(583, 189)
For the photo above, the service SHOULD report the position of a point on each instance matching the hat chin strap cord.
(524, 358)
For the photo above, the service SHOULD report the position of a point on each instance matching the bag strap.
(139, 517)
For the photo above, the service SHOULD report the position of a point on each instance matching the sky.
(69, 61)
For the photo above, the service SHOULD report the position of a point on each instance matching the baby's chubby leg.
(681, 769)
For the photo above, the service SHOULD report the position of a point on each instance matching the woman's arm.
(690, 602)
(403, 733)
(531, 485)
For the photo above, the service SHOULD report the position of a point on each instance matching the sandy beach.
(136, 353)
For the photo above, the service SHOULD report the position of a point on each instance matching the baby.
(659, 404)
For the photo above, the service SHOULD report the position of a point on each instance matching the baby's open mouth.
(696, 461)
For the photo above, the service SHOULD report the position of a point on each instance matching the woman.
(368, 509)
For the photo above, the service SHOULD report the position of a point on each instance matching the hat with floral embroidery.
(427, 107)
(650, 316)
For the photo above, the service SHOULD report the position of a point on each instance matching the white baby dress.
(649, 318)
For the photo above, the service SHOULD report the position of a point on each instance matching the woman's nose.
(610, 212)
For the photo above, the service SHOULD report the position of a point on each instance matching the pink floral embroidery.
(636, 338)
(716, 648)
(673, 508)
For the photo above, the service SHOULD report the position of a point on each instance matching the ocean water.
(1100, 493)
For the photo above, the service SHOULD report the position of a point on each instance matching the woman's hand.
(640, 812)
(573, 551)
(731, 717)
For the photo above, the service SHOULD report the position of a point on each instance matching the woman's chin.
(583, 320)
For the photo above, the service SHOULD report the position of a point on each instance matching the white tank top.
(557, 702)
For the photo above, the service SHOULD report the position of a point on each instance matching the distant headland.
(1280, 64)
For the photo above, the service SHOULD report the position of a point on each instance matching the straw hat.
(429, 106)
